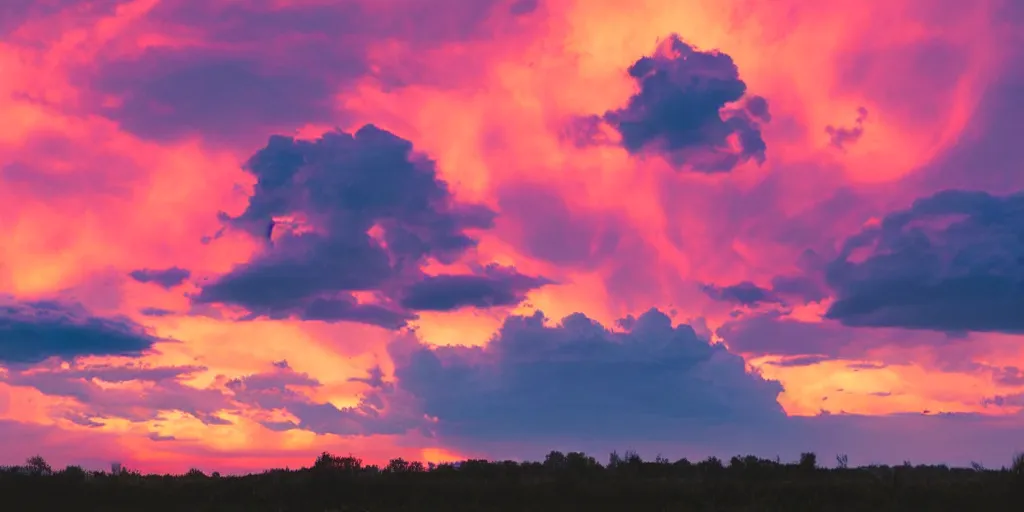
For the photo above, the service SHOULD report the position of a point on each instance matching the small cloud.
(166, 278)
(840, 137)
(691, 108)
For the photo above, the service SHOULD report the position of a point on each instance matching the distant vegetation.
(562, 482)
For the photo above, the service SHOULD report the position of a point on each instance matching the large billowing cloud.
(364, 213)
(953, 261)
(580, 379)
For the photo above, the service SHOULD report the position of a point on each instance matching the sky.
(238, 233)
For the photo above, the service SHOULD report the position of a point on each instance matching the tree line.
(562, 481)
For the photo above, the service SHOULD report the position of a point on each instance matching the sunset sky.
(238, 233)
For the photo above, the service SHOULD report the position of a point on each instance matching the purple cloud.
(494, 287)
(31, 332)
(579, 379)
(687, 110)
(953, 261)
(165, 278)
(344, 186)
(840, 137)
(745, 293)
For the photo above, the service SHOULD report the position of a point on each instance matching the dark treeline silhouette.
(562, 482)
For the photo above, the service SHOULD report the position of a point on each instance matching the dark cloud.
(580, 380)
(840, 137)
(687, 109)
(953, 261)
(783, 290)
(343, 308)
(367, 213)
(494, 287)
(166, 278)
(31, 332)
(745, 293)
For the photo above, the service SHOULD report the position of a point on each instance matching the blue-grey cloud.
(582, 380)
(166, 278)
(494, 287)
(372, 212)
(689, 107)
(744, 293)
(953, 261)
(841, 136)
(31, 332)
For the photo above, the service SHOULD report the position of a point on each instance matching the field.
(563, 482)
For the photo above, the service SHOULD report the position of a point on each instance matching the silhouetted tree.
(37, 465)
(556, 461)
(808, 461)
(398, 465)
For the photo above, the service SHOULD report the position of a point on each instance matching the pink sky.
(769, 227)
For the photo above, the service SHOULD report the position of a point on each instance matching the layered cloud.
(37, 330)
(953, 261)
